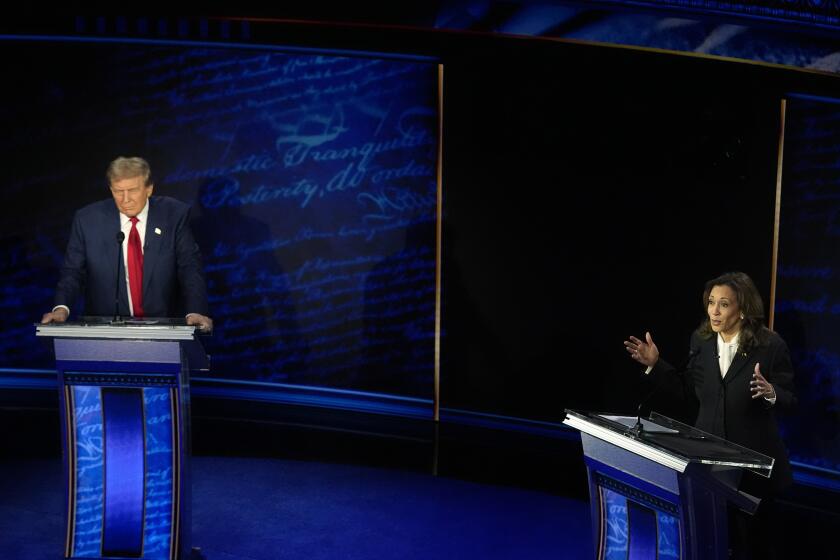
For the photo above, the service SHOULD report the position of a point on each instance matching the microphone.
(117, 320)
(638, 428)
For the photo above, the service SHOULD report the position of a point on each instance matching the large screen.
(808, 296)
(313, 182)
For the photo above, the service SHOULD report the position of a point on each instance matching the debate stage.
(289, 482)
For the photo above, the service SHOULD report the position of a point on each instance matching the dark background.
(583, 206)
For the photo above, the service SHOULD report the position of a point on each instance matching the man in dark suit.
(152, 237)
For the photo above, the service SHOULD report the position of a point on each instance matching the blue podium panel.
(633, 518)
(627, 526)
(613, 534)
(668, 531)
(125, 420)
(124, 472)
(641, 532)
(161, 472)
(86, 476)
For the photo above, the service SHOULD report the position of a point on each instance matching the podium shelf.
(137, 332)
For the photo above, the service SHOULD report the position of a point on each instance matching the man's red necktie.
(135, 268)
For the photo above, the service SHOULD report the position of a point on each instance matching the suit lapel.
(740, 360)
(151, 246)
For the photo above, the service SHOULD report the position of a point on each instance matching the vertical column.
(641, 525)
(122, 533)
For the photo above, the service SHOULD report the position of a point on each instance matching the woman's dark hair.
(753, 331)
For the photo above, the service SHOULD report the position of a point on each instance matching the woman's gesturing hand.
(643, 351)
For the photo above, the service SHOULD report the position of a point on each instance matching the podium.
(661, 491)
(125, 405)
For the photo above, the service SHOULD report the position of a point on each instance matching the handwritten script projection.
(808, 289)
(313, 182)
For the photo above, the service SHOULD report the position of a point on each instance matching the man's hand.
(203, 323)
(59, 315)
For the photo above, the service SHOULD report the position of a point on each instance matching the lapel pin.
(157, 230)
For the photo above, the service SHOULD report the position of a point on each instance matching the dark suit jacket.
(173, 278)
(726, 406)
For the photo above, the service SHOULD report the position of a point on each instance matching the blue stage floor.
(249, 509)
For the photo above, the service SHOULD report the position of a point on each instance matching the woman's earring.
(742, 316)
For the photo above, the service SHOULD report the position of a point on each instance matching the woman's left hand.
(760, 387)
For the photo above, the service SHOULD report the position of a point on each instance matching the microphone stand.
(117, 320)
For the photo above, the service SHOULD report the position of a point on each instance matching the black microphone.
(117, 320)
(638, 429)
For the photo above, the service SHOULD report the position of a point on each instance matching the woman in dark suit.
(739, 375)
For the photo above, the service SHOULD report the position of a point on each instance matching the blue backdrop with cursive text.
(808, 301)
(313, 181)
